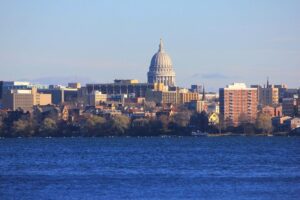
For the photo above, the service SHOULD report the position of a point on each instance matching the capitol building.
(161, 68)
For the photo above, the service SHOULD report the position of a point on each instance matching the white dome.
(161, 68)
(161, 59)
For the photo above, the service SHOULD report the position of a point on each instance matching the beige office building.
(24, 99)
(96, 98)
(174, 97)
(267, 96)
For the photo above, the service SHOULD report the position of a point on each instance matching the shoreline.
(210, 135)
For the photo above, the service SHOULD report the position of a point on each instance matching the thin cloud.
(214, 76)
(210, 76)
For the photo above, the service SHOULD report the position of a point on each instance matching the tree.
(244, 122)
(23, 127)
(182, 119)
(222, 124)
(141, 126)
(200, 121)
(243, 119)
(264, 123)
(155, 127)
(119, 124)
(164, 123)
(48, 127)
(94, 126)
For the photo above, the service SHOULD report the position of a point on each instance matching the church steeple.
(203, 94)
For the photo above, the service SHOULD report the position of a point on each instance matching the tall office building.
(238, 104)
(161, 68)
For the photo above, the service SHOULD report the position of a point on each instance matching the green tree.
(264, 123)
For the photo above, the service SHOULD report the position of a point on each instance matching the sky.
(211, 42)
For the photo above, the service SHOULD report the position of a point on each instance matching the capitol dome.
(161, 68)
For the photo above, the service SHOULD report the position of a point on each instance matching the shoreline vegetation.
(19, 124)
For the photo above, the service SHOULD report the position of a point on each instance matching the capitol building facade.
(161, 68)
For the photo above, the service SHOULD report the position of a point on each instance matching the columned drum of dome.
(161, 68)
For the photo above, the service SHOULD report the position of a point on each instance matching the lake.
(150, 168)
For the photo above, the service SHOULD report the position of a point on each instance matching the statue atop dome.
(161, 46)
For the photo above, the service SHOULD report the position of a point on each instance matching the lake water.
(150, 168)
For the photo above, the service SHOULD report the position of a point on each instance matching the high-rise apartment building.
(238, 104)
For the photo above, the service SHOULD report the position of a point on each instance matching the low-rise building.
(213, 118)
(24, 99)
(74, 85)
(273, 111)
(294, 123)
(60, 94)
(213, 107)
(197, 105)
(122, 87)
(96, 97)
(298, 106)
(288, 106)
(176, 97)
(280, 123)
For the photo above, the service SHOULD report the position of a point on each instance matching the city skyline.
(209, 44)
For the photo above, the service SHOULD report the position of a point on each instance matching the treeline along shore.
(24, 124)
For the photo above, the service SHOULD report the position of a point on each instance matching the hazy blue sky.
(210, 42)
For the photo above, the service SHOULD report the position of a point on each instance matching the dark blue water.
(150, 168)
